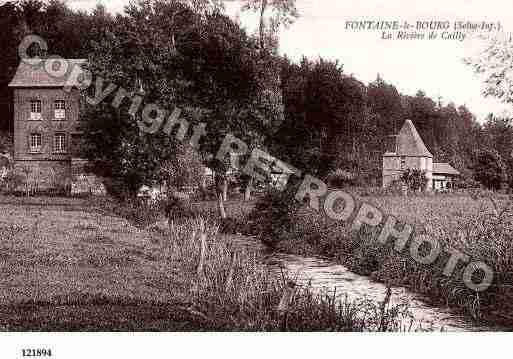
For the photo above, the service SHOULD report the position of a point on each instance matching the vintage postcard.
(179, 167)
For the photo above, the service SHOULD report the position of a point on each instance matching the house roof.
(409, 142)
(30, 75)
(444, 168)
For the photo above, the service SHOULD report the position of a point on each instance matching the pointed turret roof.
(409, 142)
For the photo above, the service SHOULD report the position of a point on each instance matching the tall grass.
(101, 273)
(480, 227)
(229, 287)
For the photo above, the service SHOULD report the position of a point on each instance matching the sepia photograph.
(206, 171)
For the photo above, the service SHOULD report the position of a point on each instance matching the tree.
(68, 34)
(12, 32)
(270, 101)
(6, 143)
(184, 170)
(284, 12)
(386, 103)
(423, 111)
(494, 64)
(383, 117)
(489, 169)
(201, 63)
(497, 134)
(323, 112)
(414, 178)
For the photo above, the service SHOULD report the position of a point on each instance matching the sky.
(434, 66)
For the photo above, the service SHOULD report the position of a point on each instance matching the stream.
(325, 275)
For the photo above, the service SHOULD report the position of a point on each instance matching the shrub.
(12, 180)
(466, 183)
(273, 212)
(341, 178)
(176, 208)
(489, 169)
(6, 142)
(118, 189)
(185, 170)
(395, 187)
(139, 213)
(414, 178)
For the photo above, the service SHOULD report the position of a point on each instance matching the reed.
(229, 287)
(479, 226)
(102, 273)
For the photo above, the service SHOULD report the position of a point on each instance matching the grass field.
(66, 269)
(73, 266)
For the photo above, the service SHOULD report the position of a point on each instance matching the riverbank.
(66, 269)
(479, 227)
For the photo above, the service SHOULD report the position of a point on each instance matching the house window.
(60, 110)
(403, 162)
(36, 142)
(35, 110)
(59, 143)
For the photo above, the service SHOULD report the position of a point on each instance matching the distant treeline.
(316, 117)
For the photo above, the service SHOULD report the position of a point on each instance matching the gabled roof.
(409, 142)
(29, 75)
(444, 168)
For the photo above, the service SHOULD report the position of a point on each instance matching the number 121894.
(41, 353)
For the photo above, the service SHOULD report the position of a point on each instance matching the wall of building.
(42, 175)
(48, 126)
(429, 174)
(391, 169)
(47, 163)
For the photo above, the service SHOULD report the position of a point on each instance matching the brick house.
(46, 126)
(411, 152)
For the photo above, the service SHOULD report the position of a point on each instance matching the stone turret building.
(411, 152)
